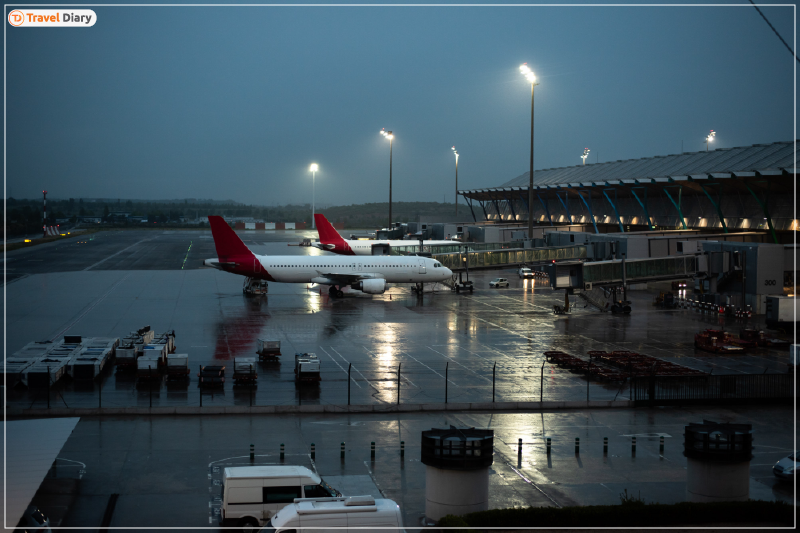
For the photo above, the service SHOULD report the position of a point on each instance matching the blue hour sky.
(236, 102)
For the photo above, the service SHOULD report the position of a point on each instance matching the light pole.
(313, 169)
(456, 152)
(528, 73)
(710, 137)
(585, 155)
(388, 135)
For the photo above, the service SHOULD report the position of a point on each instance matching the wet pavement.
(172, 465)
(120, 281)
(110, 283)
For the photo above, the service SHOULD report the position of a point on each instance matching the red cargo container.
(240, 225)
(300, 225)
(280, 225)
(259, 225)
(338, 225)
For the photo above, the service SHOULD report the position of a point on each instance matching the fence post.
(548, 445)
(348, 382)
(283, 449)
(252, 453)
(605, 445)
(251, 384)
(398, 382)
(48, 386)
(493, 373)
(341, 453)
(446, 366)
(519, 450)
(577, 446)
(402, 449)
(313, 451)
(541, 385)
(372, 450)
(200, 385)
(633, 446)
(661, 445)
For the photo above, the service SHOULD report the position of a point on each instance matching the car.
(784, 468)
(525, 272)
(499, 282)
(33, 521)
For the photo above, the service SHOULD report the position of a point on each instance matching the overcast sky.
(236, 102)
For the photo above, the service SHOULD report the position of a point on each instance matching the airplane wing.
(329, 278)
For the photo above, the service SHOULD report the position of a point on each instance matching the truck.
(306, 367)
(251, 495)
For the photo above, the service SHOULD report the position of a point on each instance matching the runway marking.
(426, 366)
(103, 297)
(117, 253)
(401, 375)
(357, 370)
(340, 366)
(459, 364)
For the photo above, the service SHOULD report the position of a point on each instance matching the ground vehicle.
(525, 272)
(252, 494)
(499, 282)
(355, 514)
(33, 521)
(464, 286)
(306, 367)
(784, 468)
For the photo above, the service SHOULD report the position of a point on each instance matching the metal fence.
(727, 389)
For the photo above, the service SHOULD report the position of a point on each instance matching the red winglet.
(229, 245)
(327, 233)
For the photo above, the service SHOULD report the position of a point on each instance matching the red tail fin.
(228, 244)
(327, 233)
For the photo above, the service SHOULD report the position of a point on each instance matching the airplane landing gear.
(333, 292)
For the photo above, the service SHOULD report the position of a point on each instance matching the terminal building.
(730, 189)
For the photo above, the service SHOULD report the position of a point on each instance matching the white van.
(323, 515)
(252, 494)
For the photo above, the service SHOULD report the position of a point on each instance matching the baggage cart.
(212, 376)
(268, 349)
(148, 366)
(244, 371)
(177, 366)
(306, 367)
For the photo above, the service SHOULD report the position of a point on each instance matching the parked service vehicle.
(252, 494)
(356, 514)
(499, 282)
(525, 272)
(784, 468)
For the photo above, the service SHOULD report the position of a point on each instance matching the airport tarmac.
(110, 283)
(172, 466)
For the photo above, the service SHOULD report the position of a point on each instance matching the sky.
(236, 102)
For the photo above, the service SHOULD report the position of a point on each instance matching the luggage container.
(44, 374)
(177, 366)
(168, 338)
(716, 341)
(159, 349)
(306, 367)
(268, 349)
(212, 376)
(12, 370)
(147, 366)
(89, 363)
(127, 354)
(244, 371)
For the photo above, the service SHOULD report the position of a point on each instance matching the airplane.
(369, 275)
(331, 241)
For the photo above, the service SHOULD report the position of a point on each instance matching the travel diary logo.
(55, 18)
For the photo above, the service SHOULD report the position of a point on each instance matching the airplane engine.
(371, 286)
